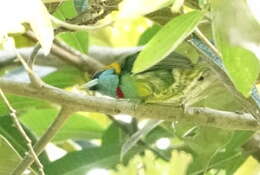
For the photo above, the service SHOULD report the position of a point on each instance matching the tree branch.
(83, 62)
(81, 102)
(102, 55)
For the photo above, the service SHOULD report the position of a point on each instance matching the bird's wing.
(174, 60)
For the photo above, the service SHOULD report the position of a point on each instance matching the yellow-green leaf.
(78, 40)
(167, 40)
(237, 38)
(9, 158)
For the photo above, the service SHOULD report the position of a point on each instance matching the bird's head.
(107, 81)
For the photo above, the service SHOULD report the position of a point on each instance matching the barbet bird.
(174, 80)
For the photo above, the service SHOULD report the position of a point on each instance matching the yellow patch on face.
(115, 66)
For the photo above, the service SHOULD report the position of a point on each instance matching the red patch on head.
(119, 93)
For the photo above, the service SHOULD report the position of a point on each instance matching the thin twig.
(96, 11)
(45, 139)
(34, 55)
(207, 42)
(35, 80)
(84, 63)
(32, 153)
(75, 27)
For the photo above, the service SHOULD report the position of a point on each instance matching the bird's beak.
(89, 84)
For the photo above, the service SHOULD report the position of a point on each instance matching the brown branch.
(35, 80)
(81, 102)
(81, 61)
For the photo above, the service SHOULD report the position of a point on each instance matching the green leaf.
(218, 149)
(238, 139)
(66, 10)
(116, 136)
(81, 5)
(165, 130)
(22, 104)
(76, 127)
(206, 143)
(14, 137)
(148, 34)
(242, 65)
(233, 156)
(166, 40)
(79, 162)
(64, 77)
(8, 157)
(77, 40)
(237, 38)
(113, 135)
(131, 142)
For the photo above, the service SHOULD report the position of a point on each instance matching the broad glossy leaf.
(77, 40)
(237, 38)
(79, 162)
(76, 127)
(148, 34)
(167, 40)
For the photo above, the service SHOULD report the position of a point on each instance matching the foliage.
(94, 140)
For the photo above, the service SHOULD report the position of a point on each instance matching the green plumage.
(173, 80)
